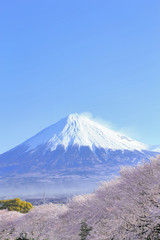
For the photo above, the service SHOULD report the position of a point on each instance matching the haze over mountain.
(155, 148)
(70, 156)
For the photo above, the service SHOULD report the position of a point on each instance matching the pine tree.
(85, 230)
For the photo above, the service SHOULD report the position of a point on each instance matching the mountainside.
(79, 130)
(155, 148)
(71, 156)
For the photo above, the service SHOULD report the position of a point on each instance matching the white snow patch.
(155, 148)
(79, 130)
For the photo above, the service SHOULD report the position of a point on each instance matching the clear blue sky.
(60, 57)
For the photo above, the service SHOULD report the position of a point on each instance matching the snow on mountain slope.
(78, 130)
(155, 148)
(71, 156)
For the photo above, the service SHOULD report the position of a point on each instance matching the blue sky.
(61, 57)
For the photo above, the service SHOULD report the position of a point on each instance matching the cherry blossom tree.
(127, 208)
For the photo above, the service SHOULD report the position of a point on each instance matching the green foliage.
(23, 236)
(85, 230)
(15, 205)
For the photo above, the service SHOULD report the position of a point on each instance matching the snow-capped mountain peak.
(79, 130)
(71, 156)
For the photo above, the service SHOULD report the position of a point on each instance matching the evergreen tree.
(85, 230)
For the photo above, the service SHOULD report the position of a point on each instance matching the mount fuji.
(71, 156)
